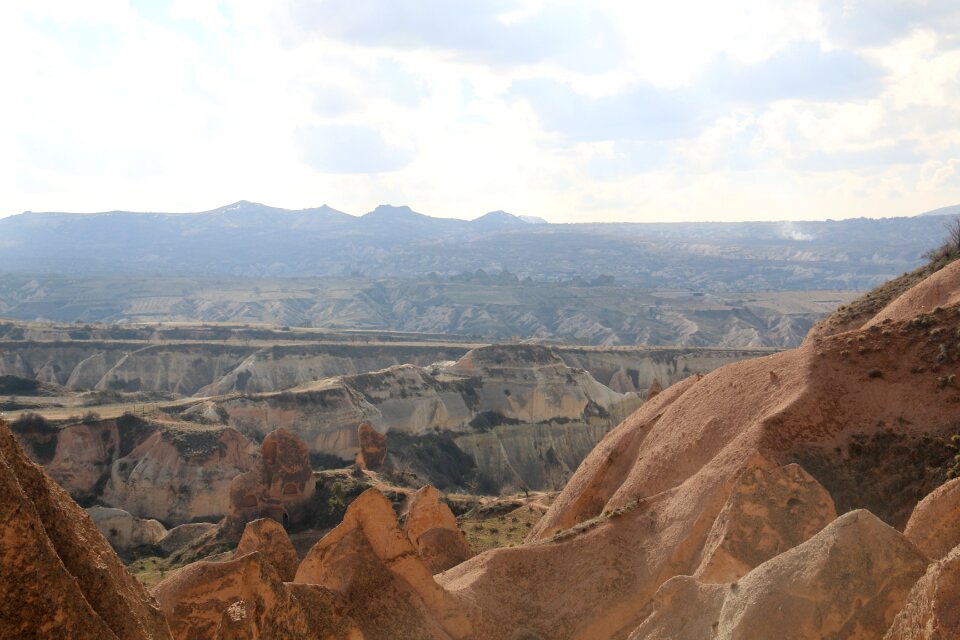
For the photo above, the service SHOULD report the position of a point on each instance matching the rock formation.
(859, 411)
(180, 473)
(768, 512)
(84, 453)
(432, 530)
(518, 414)
(941, 289)
(210, 600)
(279, 486)
(60, 578)
(934, 525)
(184, 535)
(931, 611)
(849, 581)
(125, 531)
(370, 562)
(269, 538)
(373, 447)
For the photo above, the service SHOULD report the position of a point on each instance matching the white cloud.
(572, 110)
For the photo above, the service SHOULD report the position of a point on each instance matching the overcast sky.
(574, 111)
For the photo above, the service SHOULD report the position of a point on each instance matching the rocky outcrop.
(269, 538)
(433, 532)
(184, 535)
(370, 562)
(279, 486)
(180, 473)
(931, 612)
(125, 531)
(768, 512)
(941, 289)
(84, 453)
(847, 582)
(60, 578)
(524, 417)
(934, 525)
(244, 597)
(862, 412)
(373, 448)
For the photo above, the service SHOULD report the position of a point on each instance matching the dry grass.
(507, 530)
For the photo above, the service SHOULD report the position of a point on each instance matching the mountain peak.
(390, 212)
(497, 218)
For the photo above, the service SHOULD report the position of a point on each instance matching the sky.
(597, 110)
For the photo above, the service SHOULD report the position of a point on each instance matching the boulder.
(240, 598)
(433, 532)
(768, 512)
(370, 562)
(60, 578)
(373, 447)
(846, 583)
(279, 486)
(270, 539)
(934, 525)
(125, 531)
(931, 611)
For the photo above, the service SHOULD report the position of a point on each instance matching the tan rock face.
(60, 578)
(125, 531)
(85, 453)
(940, 289)
(432, 530)
(848, 582)
(934, 525)
(931, 611)
(370, 562)
(183, 535)
(270, 539)
(657, 483)
(209, 600)
(768, 512)
(178, 475)
(373, 447)
(279, 486)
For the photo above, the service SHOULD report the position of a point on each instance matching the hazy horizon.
(468, 216)
(570, 111)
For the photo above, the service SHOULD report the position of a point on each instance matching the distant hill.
(247, 239)
(943, 211)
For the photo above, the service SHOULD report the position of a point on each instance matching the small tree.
(953, 233)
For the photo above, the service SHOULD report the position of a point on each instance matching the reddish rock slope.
(60, 578)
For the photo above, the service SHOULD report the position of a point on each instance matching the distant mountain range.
(247, 239)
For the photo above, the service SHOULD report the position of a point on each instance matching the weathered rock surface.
(848, 582)
(768, 512)
(369, 561)
(279, 486)
(931, 611)
(934, 525)
(940, 289)
(180, 473)
(657, 484)
(240, 596)
(184, 535)
(373, 448)
(125, 531)
(60, 578)
(84, 453)
(523, 416)
(269, 538)
(432, 530)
